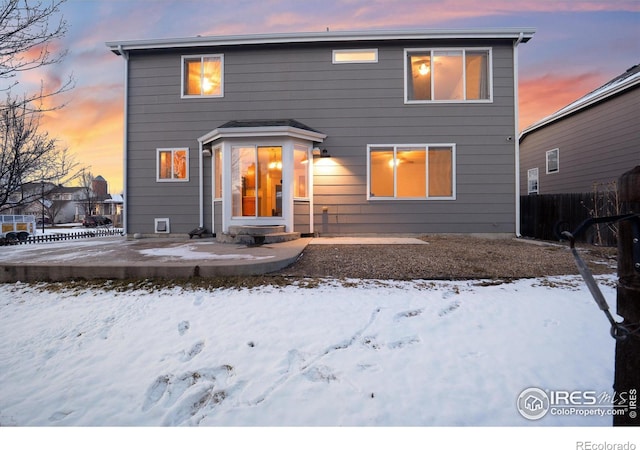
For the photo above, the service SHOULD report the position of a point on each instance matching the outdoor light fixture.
(206, 152)
(324, 153)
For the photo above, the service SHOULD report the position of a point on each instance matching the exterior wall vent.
(161, 225)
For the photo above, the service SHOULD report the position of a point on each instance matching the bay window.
(300, 172)
(217, 172)
(256, 181)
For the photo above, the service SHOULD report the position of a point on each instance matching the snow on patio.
(192, 252)
(336, 353)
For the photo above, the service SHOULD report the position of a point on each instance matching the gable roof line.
(617, 85)
(118, 47)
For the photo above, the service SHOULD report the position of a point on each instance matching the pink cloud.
(91, 127)
(562, 6)
(544, 95)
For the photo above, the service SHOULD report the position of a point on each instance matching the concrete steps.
(256, 235)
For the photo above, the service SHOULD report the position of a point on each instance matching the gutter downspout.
(200, 185)
(516, 134)
(125, 149)
(310, 178)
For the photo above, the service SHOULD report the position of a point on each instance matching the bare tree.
(29, 156)
(89, 199)
(52, 209)
(27, 30)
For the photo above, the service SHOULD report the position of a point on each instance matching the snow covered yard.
(327, 353)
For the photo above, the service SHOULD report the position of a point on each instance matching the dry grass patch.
(449, 257)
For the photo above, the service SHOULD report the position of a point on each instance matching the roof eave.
(252, 132)
(524, 34)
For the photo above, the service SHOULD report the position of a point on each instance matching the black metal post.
(627, 360)
(42, 200)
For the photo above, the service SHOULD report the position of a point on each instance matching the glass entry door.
(256, 181)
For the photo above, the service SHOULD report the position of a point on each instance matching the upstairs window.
(447, 75)
(553, 161)
(173, 164)
(202, 76)
(355, 56)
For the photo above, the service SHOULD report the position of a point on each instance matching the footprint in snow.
(183, 327)
(370, 342)
(188, 355)
(173, 388)
(324, 374)
(197, 405)
(59, 415)
(193, 404)
(155, 392)
(404, 342)
(407, 314)
(451, 293)
(449, 309)
(108, 324)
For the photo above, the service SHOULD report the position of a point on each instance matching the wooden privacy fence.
(97, 232)
(546, 216)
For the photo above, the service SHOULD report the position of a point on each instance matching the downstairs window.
(172, 164)
(411, 172)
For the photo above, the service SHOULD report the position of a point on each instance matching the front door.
(256, 179)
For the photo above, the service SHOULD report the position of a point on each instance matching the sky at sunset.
(578, 46)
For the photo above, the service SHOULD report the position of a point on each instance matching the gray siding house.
(328, 133)
(587, 144)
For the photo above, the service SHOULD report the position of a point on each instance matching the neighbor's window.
(448, 75)
(412, 172)
(202, 76)
(553, 161)
(355, 56)
(532, 181)
(173, 164)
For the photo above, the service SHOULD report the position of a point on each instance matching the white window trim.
(464, 80)
(354, 50)
(214, 164)
(308, 173)
(557, 150)
(530, 173)
(182, 80)
(400, 147)
(171, 180)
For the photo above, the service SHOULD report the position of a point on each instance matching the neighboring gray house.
(591, 141)
(330, 133)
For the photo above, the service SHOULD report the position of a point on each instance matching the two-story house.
(329, 132)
